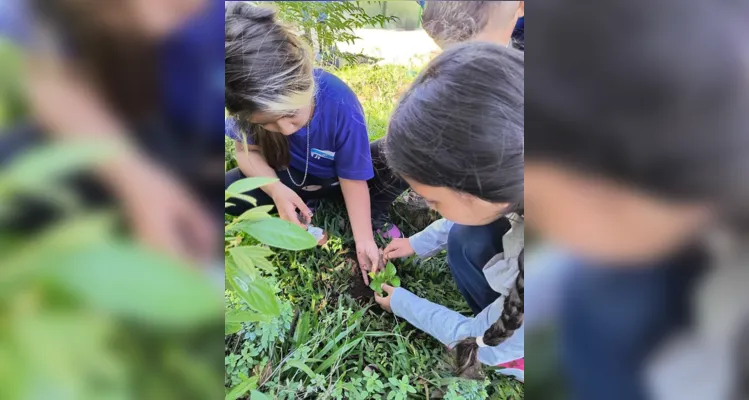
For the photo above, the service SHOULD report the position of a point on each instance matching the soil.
(357, 289)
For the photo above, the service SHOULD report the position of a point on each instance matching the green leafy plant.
(72, 290)
(244, 273)
(387, 276)
(399, 388)
(324, 23)
(467, 389)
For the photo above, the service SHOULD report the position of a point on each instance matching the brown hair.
(268, 69)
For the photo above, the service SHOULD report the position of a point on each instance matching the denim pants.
(614, 317)
(469, 248)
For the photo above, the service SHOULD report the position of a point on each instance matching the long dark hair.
(460, 126)
(267, 68)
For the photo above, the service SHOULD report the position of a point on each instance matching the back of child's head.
(268, 68)
(662, 108)
(460, 126)
(451, 22)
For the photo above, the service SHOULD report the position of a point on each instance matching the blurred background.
(636, 161)
(111, 271)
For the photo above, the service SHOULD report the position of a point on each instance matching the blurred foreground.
(109, 289)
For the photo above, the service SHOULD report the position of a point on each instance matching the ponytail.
(468, 365)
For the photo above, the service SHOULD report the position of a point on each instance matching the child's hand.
(164, 214)
(287, 202)
(384, 302)
(368, 255)
(398, 248)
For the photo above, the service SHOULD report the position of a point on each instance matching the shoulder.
(331, 86)
(336, 98)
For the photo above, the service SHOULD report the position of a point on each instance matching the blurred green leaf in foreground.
(85, 313)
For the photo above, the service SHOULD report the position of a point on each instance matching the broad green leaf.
(232, 328)
(279, 233)
(43, 165)
(396, 282)
(257, 294)
(130, 281)
(240, 316)
(244, 387)
(256, 213)
(258, 396)
(29, 257)
(64, 348)
(376, 285)
(300, 366)
(247, 184)
(252, 256)
(240, 196)
(390, 270)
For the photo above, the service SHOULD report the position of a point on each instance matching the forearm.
(253, 164)
(431, 240)
(70, 108)
(356, 197)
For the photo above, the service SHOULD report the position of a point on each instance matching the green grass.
(378, 88)
(331, 343)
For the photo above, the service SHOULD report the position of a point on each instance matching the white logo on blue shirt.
(318, 154)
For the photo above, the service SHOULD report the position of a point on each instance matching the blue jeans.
(469, 248)
(613, 317)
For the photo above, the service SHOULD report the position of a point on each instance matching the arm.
(431, 240)
(70, 108)
(252, 164)
(356, 197)
(449, 327)
(162, 212)
(287, 202)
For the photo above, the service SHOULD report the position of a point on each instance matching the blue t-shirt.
(339, 143)
(191, 71)
(14, 21)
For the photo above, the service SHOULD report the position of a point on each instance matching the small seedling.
(388, 275)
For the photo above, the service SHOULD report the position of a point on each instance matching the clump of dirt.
(357, 288)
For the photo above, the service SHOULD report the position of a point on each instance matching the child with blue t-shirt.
(303, 126)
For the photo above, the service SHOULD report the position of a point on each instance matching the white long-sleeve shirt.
(448, 326)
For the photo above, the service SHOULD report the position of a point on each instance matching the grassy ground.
(332, 340)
